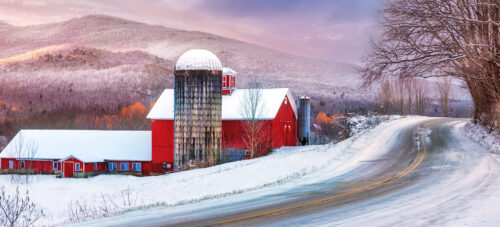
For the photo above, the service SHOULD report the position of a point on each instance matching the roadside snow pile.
(481, 135)
(360, 123)
(74, 200)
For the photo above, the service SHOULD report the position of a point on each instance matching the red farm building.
(82, 153)
(279, 119)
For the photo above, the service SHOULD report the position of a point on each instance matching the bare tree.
(25, 151)
(385, 97)
(410, 93)
(444, 88)
(399, 87)
(420, 96)
(17, 209)
(435, 38)
(252, 110)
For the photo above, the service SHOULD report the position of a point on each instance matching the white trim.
(292, 103)
(77, 163)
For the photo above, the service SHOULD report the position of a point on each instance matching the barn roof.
(231, 104)
(84, 145)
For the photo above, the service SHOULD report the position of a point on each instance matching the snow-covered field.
(285, 168)
(460, 187)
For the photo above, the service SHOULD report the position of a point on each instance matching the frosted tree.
(436, 38)
(444, 88)
(252, 110)
(25, 150)
(17, 209)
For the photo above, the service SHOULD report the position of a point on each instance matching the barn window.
(54, 165)
(77, 166)
(22, 164)
(112, 166)
(285, 101)
(136, 166)
(11, 164)
(95, 166)
(124, 166)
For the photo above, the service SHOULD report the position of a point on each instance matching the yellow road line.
(413, 165)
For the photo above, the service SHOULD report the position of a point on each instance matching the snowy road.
(422, 171)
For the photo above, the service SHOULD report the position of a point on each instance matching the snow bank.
(285, 168)
(360, 123)
(481, 135)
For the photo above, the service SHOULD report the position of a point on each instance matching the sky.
(333, 30)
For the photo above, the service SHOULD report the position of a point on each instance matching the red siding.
(162, 140)
(45, 166)
(232, 131)
(285, 126)
(90, 167)
(74, 160)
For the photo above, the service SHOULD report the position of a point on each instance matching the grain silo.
(304, 120)
(197, 108)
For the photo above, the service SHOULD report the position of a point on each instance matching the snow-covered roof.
(231, 104)
(85, 145)
(228, 71)
(198, 59)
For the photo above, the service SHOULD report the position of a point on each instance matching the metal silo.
(304, 120)
(197, 108)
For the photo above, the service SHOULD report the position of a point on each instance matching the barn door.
(68, 169)
(286, 133)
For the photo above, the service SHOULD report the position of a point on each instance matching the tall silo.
(197, 108)
(304, 120)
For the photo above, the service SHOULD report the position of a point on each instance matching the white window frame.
(137, 166)
(55, 165)
(11, 164)
(77, 165)
(123, 169)
(169, 165)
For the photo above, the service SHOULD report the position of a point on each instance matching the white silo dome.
(198, 59)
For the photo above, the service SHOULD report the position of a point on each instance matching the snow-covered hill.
(106, 34)
(85, 53)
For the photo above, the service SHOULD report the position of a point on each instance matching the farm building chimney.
(197, 108)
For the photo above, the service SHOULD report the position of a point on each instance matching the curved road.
(433, 175)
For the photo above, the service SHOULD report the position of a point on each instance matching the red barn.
(277, 112)
(79, 153)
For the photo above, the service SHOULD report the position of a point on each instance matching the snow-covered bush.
(482, 136)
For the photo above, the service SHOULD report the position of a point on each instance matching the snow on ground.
(481, 135)
(460, 187)
(361, 123)
(286, 167)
